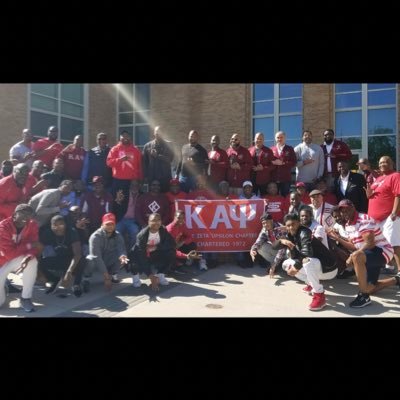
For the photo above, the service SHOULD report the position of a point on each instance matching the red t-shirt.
(276, 206)
(386, 188)
(73, 162)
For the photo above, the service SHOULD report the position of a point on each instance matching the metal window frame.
(58, 113)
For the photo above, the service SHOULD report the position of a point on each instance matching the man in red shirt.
(334, 151)
(240, 164)
(47, 149)
(125, 159)
(73, 156)
(276, 204)
(19, 247)
(218, 163)
(14, 189)
(262, 167)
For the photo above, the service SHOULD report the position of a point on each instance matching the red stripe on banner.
(223, 225)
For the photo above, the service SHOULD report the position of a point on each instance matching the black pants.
(54, 268)
(158, 260)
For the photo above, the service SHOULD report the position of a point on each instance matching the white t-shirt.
(153, 241)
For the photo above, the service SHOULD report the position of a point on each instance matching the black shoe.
(114, 279)
(361, 300)
(86, 286)
(77, 291)
(397, 277)
(12, 288)
(54, 286)
(346, 274)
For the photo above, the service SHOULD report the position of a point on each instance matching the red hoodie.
(129, 169)
(9, 248)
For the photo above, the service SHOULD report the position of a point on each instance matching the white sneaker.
(163, 280)
(203, 265)
(136, 282)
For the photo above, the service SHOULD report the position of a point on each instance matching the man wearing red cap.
(372, 252)
(106, 251)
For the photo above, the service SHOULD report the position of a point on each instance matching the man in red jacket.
(14, 189)
(19, 247)
(125, 159)
(334, 151)
(217, 163)
(47, 149)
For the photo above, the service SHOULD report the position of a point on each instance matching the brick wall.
(13, 116)
(210, 109)
(317, 109)
(102, 112)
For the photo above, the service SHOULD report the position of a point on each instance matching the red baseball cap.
(109, 217)
(96, 179)
(300, 184)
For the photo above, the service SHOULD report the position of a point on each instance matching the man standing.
(310, 161)
(217, 163)
(240, 164)
(47, 149)
(95, 163)
(19, 247)
(193, 162)
(157, 159)
(22, 151)
(349, 185)
(262, 167)
(334, 151)
(125, 159)
(73, 156)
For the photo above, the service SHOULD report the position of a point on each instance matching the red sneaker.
(318, 302)
(307, 289)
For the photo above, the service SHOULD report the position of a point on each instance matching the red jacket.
(217, 170)
(236, 177)
(341, 152)
(129, 169)
(283, 173)
(264, 157)
(48, 156)
(9, 249)
(11, 195)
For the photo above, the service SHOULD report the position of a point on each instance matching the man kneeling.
(309, 261)
(153, 253)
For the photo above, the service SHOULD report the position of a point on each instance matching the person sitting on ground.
(310, 261)
(307, 220)
(276, 204)
(223, 192)
(295, 203)
(61, 259)
(373, 252)
(106, 252)
(153, 253)
(19, 248)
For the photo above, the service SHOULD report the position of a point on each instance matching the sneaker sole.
(317, 308)
(361, 306)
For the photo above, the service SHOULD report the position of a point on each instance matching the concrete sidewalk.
(227, 291)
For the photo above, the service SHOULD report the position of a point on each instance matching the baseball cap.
(97, 179)
(109, 217)
(300, 184)
(315, 192)
(174, 182)
(247, 183)
(345, 203)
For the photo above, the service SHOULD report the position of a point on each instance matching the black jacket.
(308, 246)
(354, 192)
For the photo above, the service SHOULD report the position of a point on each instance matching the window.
(278, 107)
(134, 111)
(366, 118)
(59, 104)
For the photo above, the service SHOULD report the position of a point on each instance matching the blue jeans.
(130, 226)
